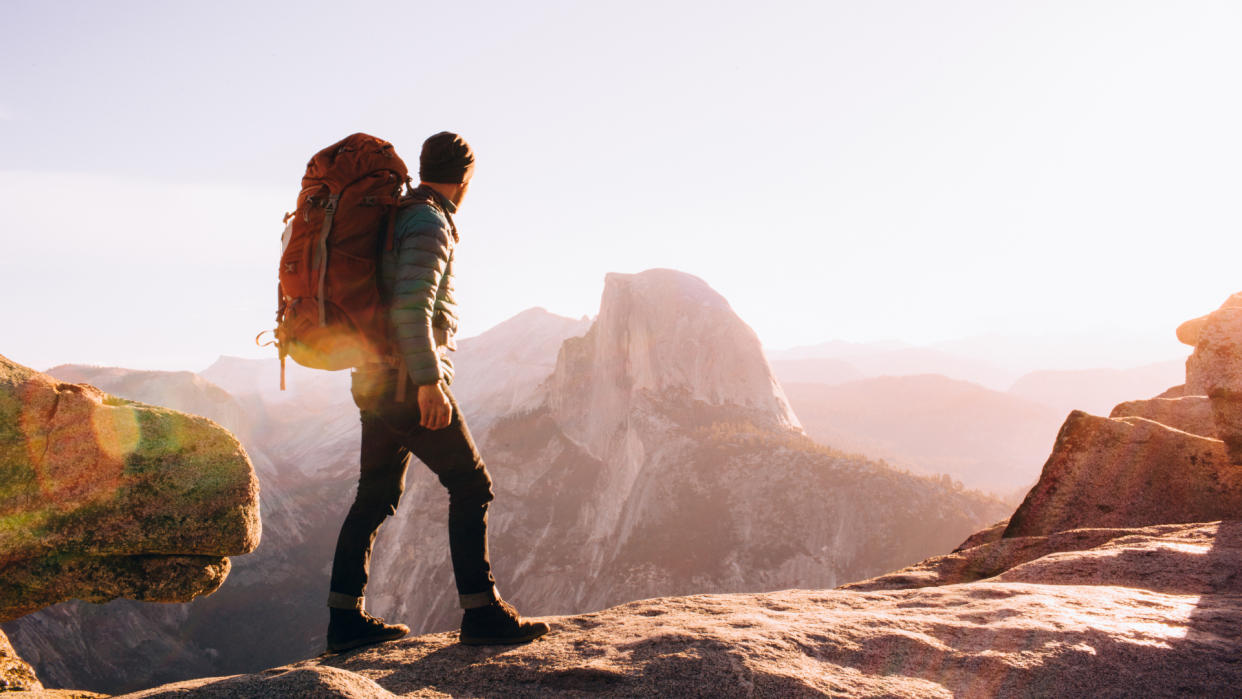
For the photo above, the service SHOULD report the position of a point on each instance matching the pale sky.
(837, 170)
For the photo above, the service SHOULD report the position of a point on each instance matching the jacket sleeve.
(422, 259)
(445, 314)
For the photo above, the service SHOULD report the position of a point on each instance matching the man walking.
(407, 408)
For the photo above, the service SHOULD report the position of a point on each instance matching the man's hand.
(434, 410)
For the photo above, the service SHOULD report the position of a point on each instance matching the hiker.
(407, 408)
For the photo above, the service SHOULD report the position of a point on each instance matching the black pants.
(390, 433)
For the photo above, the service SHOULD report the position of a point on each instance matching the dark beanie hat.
(446, 158)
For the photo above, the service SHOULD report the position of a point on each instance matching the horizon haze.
(1061, 176)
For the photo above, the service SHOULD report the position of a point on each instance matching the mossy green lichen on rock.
(98, 494)
(31, 585)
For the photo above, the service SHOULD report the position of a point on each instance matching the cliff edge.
(1154, 612)
(103, 498)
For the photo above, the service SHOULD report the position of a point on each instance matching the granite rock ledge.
(103, 498)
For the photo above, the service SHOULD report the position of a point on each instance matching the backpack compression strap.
(322, 249)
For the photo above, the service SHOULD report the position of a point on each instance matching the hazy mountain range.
(995, 361)
(929, 423)
(934, 412)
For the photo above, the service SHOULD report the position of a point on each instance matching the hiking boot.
(497, 624)
(351, 628)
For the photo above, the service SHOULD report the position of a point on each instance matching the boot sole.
(365, 641)
(502, 640)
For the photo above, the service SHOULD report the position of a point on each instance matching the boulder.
(1128, 472)
(1215, 368)
(103, 498)
(1188, 333)
(1191, 414)
(1216, 362)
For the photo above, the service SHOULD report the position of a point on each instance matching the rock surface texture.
(1128, 472)
(1191, 414)
(1217, 360)
(15, 673)
(1150, 612)
(103, 498)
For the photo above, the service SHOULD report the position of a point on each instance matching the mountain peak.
(664, 332)
(661, 282)
(529, 326)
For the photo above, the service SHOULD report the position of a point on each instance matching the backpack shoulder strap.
(415, 197)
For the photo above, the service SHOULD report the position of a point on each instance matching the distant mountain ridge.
(502, 367)
(989, 438)
(185, 390)
(932, 424)
(994, 361)
(1096, 390)
(884, 359)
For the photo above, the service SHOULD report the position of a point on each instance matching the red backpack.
(330, 313)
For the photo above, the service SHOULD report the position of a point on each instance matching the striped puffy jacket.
(417, 276)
